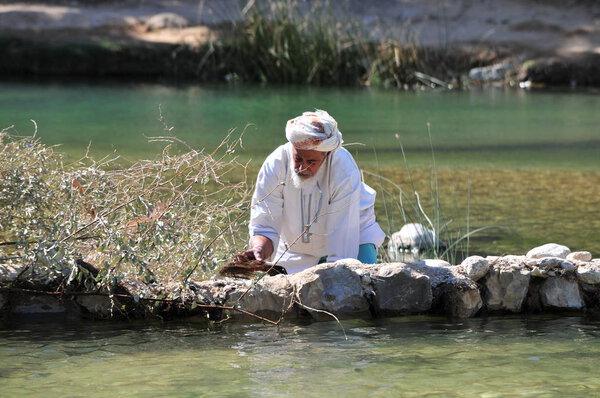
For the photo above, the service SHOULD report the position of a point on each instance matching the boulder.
(475, 267)
(506, 288)
(330, 288)
(415, 237)
(561, 293)
(272, 296)
(589, 273)
(549, 250)
(399, 290)
(454, 294)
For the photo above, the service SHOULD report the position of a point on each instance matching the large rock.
(330, 288)
(399, 289)
(454, 294)
(561, 293)
(549, 250)
(415, 237)
(589, 273)
(272, 297)
(506, 288)
(475, 267)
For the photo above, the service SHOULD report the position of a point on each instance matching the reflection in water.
(410, 356)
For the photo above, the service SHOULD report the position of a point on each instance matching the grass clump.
(154, 221)
(293, 41)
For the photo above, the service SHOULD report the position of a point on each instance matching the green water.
(526, 161)
(398, 357)
(487, 128)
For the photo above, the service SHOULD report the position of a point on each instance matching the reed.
(400, 203)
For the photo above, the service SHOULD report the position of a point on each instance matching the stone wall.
(549, 278)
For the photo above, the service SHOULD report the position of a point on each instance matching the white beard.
(303, 183)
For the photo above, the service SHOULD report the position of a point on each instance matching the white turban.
(315, 131)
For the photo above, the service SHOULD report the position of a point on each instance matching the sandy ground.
(518, 27)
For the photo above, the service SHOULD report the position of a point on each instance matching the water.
(487, 128)
(528, 162)
(408, 357)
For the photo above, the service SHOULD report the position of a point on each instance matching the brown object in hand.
(242, 268)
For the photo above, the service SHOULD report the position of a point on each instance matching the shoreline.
(511, 43)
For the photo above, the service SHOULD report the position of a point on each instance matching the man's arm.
(267, 208)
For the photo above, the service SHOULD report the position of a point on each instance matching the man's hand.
(261, 248)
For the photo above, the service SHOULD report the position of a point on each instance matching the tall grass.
(294, 41)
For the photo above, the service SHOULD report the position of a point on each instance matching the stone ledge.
(540, 282)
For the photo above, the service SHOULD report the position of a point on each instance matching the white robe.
(331, 219)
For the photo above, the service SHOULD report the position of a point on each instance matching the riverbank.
(548, 279)
(439, 44)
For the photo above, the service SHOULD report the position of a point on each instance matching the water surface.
(408, 357)
(526, 161)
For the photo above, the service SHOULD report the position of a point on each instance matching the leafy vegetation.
(154, 221)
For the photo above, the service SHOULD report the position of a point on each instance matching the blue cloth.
(367, 253)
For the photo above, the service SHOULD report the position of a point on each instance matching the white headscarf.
(315, 131)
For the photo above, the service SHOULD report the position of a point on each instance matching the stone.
(272, 296)
(26, 304)
(561, 293)
(9, 272)
(551, 264)
(100, 307)
(454, 294)
(413, 236)
(400, 290)
(589, 273)
(506, 289)
(329, 288)
(166, 20)
(492, 73)
(549, 250)
(537, 272)
(579, 257)
(475, 267)
(434, 262)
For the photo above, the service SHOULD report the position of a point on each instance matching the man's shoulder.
(344, 160)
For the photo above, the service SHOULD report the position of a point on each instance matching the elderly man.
(310, 203)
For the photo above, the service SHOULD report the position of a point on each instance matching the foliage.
(152, 221)
(294, 41)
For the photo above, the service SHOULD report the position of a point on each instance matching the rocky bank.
(548, 278)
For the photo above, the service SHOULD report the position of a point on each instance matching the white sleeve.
(267, 202)
(370, 231)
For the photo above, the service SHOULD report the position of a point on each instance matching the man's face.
(307, 162)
